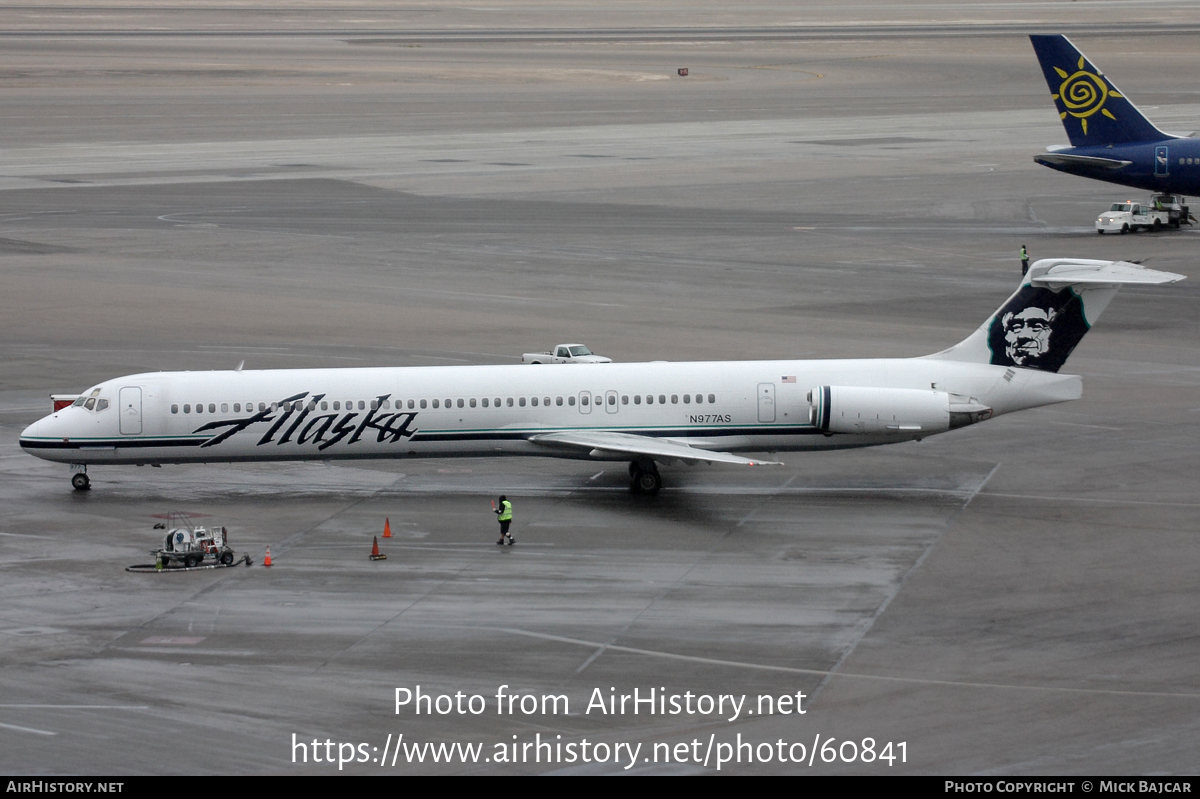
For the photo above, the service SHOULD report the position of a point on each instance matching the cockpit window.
(90, 404)
(101, 405)
(79, 402)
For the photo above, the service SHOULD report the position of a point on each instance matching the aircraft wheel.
(647, 482)
(81, 482)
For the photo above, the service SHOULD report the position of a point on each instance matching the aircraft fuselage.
(1170, 166)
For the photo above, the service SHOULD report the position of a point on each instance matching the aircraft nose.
(30, 432)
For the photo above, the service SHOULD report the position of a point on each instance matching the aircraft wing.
(600, 443)
(1065, 159)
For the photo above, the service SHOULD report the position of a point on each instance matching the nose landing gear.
(80, 480)
(645, 477)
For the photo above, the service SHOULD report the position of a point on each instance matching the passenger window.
(558, 400)
(337, 405)
(496, 402)
(449, 403)
(212, 407)
(712, 398)
(174, 409)
(521, 402)
(649, 399)
(423, 404)
(187, 408)
(224, 407)
(571, 401)
(262, 406)
(699, 399)
(583, 400)
(237, 407)
(687, 399)
(599, 400)
(637, 399)
(485, 402)
(362, 405)
(662, 399)
(460, 403)
(624, 399)
(435, 403)
(374, 404)
(612, 399)
(534, 402)
(510, 402)
(324, 406)
(674, 399)
(410, 405)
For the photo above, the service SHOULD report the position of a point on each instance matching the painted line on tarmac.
(839, 674)
(27, 729)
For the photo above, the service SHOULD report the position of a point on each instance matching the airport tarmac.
(190, 188)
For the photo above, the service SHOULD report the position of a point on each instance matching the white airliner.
(644, 413)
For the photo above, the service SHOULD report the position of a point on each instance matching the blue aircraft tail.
(1092, 110)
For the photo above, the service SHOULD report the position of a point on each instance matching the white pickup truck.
(565, 353)
(1129, 216)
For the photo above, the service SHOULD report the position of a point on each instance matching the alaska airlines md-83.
(644, 413)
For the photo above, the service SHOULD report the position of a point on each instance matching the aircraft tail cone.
(387, 528)
(375, 554)
(267, 559)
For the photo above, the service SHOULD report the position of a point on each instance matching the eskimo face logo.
(1037, 329)
(1083, 94)
(1027, 334)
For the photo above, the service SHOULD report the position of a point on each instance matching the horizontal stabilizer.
(599, 443)
(1100, 273)
(1063, 159)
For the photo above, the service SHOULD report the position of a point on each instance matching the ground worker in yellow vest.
(504, 516)
(1024, 255)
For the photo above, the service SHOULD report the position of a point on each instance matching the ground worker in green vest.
(1024, 260)
(504, 516)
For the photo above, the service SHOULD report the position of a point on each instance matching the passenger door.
(131, 410)
(766, 402)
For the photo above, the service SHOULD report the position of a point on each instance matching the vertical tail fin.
(1056, 304)
(1092, 110)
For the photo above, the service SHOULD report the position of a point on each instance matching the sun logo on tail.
(1083, 94)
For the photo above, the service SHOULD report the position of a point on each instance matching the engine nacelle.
(854, 409)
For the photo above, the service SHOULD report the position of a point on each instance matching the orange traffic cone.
(267, 559)
(375, 554)
(387, 528)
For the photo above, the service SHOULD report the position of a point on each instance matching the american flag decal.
(789, 378)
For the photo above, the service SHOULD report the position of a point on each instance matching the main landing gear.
(79, 478)
(645, 477)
